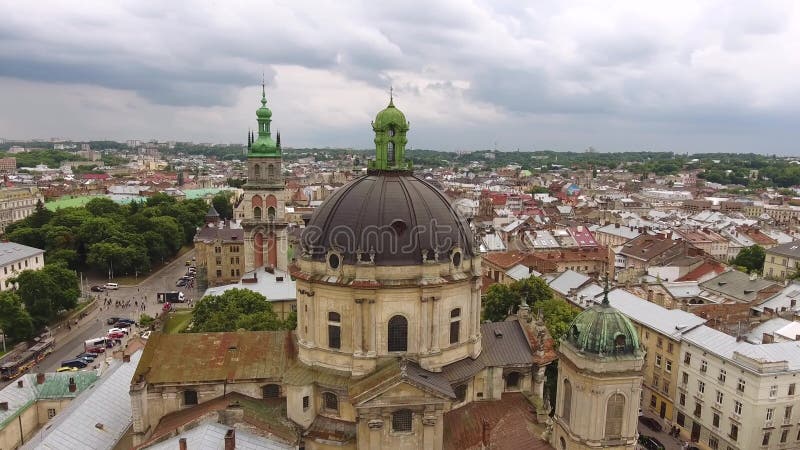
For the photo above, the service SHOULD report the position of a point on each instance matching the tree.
(222, 203)
(15, 321)
(502, 300)
(751, 258)
(558, 315)
(102, 207)
(48, 291)
(234, 310)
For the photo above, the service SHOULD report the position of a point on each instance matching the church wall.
(25, 424)
(294, 404)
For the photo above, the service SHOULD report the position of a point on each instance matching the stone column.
(436, 320)
(424, 335)
(372, 322)
(312, 323)
(538, 383)
(358, 324)
(375, 430)
(429, 430)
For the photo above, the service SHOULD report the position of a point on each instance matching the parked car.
(113, 320)
(76, 363)
(87, 355)
(188, 263)
(130, 321)
(112, 286)
(181, 283)
(118, 330)
(651, 423)
(116, 335)
(86, 360)
(122, 325)
(67, 369)
(650, 443)
(95, 350)
(98, 288)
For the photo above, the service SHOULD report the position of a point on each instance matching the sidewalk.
(669, 442)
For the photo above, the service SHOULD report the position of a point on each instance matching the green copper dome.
(264, 145)
(603, 331)
(390, 116)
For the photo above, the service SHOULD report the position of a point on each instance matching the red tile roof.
(504, 260)
(708, 266)
(509, 424)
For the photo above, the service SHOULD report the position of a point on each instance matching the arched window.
(455, 325)
(257, 171)
(330, 402)
(334, 330)
(271, 391)
(615, 409)
(398, 334)
(257, 213)
(270, 213)
(189, 397)
(563, 443)
(390, 155)
(461, 392)
(566, 406)
(401, 420)
(512, 380)
(619, 343)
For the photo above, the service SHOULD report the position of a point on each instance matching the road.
(94, 325)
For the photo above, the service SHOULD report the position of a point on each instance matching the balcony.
(769, 424)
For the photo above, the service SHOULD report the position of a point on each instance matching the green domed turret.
(390, 127)
(264, 145)
(603, 331)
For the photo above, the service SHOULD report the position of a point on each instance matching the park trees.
(47, 291)
(15, 321)
(751, 258)
(236, 309)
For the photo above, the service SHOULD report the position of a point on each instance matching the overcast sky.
(688, 76)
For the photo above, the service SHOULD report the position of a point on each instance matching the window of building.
(398, 334)
(722, 375)
(713, 443)
(455, 325)
(51, 412)
(703, 365)
(685, 378)
(271, 391)
(653, 401)
(734, 434)
(665, 386)
(658, 360)
(461, 392)
(740, 385)
(401, 420)
(669, 347)
(720, 397)
(773, 391)
(219, 260)
(715, 420)
(306, 403)
(232, 272)
(330, 401)
(619, 343)
(770, 414)
(681, 419)
(615, 410)
(219, 273)
(659, 342)
(701, 387)
(217, 249)
(26, 263)
(737, 407)
(765, 438)
(787, 412)
(668, 365)
(697, 409)
(189, 397)
(512, 380)
(334, 330)
(566, 407)
(564, 443)
(784, 436)
(791, 389)
(257, 213)
(682, 399)
(656, 381)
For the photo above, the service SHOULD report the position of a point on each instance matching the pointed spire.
(391, 95)
(263, 91)
(278, 140)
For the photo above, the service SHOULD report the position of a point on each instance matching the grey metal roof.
(723, 345)
(756, 335)
(211, 436)
(791, 249)
(55, 386)
(567, 280)
(521, 272)
(504, 344)
(788, 298)
(737, 285)
(432, 380)
(11, 252)
(397, 215)
(669, 322)
(107, 402)
(266, 284)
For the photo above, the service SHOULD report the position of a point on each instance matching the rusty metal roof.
(400, 371)
(201, 357)
(331, 429)
(504, 344)
(300, 374)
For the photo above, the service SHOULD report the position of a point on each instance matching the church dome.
(390, 116)
(391, 218)
(603, 331)
(264, 112)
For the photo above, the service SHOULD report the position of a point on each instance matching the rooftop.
(263, 282)
(11, 252)
(55, 386)
(790, 249)
(738, 285)
(211, 435)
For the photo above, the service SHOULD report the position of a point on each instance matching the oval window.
(333, 261)
(457, 259)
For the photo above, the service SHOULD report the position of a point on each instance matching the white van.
(112, 286)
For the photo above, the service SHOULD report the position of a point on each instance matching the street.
(94, 324)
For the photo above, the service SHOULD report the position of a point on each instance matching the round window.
(333, 261)
(457, 259)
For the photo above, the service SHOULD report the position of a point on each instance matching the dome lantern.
(390, 127)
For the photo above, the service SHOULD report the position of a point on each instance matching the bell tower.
(262, 208)
(390, 127)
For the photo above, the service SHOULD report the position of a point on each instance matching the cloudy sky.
(687, 76)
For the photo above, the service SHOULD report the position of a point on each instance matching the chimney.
(40, 378)
(616, 225)
(753, 276)
(182, 444)
(20, 384)
(230, 439)
(766, 338)
(650, 295)
(72, 386)
(126, 358)
(3, 406)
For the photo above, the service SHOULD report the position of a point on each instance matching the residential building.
(615, 234)
(782, 261)
(17, 203)
(592, 261)
(219, 246)
(8, 165)
(14, 258)
(707, 240)
(735, 286)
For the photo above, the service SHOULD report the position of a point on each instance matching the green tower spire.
(390, 127)
(264, 145)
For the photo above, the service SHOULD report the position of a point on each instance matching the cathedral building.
(389, 350)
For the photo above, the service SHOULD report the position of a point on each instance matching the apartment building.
(220, 250)
(781, 261)
(15, 258)
(17, 204)
(707, 240)
(734, 395)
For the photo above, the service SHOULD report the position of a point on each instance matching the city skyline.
(683, 77)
